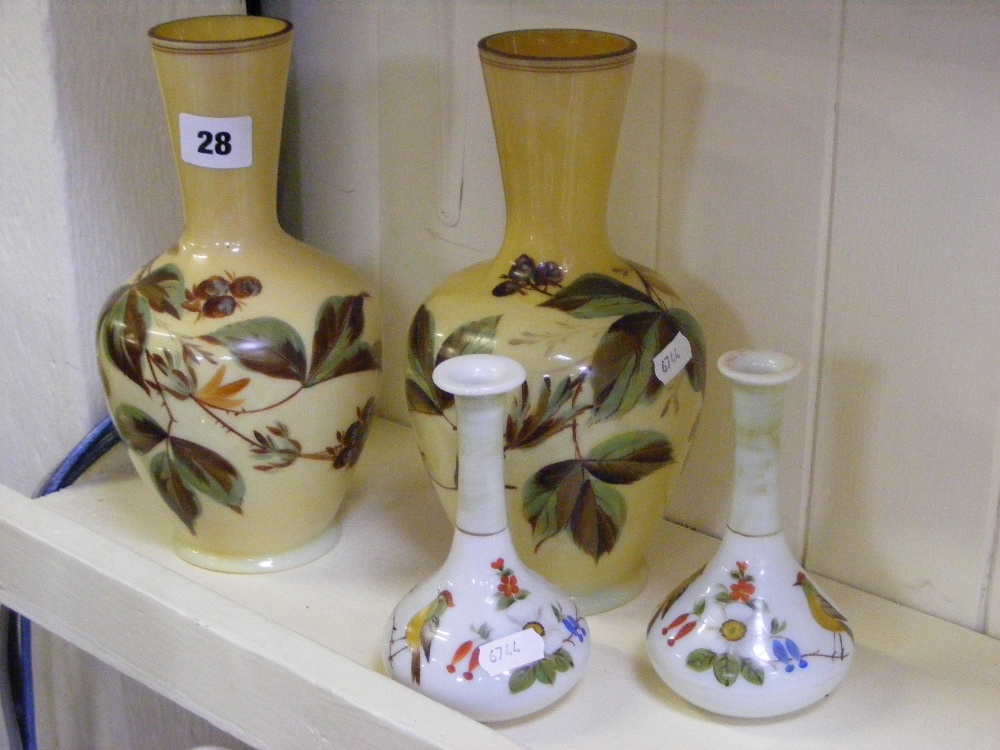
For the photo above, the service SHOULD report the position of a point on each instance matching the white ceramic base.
(615, 596)
(266, 564)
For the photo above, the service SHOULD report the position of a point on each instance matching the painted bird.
(422, 627)
(825, 614)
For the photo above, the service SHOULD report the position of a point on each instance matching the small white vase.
(750, 635)
(484, 634)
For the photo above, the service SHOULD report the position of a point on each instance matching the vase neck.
(759, 381)
(557, 121)
(756, 507)
(233, 71)
(482, 502)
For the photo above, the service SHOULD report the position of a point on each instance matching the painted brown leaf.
(564, 495)
(140, 431)
(125, 327)
(178, 497)
(596, 295)
(163, 289)
(204, 471)
(629, 457)
(337, 347)
(266, 345)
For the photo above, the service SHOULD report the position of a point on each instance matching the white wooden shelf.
(290, 660)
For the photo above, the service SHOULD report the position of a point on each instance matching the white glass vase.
(484, 634)
(750, 635)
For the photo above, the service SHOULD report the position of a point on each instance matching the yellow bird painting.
(824, 613)
(421, 629)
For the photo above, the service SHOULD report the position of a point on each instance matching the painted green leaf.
(178, 497)
(265, 345)
(701, 659)
(597, 519)
(727, 669)
(163, 289)
(337, 347)
(685, 322)
(595, 295)
(623, 369)
(521, 679)
(474, 337)
(699, 606)
(564, 495)
(562, 660)
(629, 457)
(545, 671)
(548, 498)
(422, 396)
(139, 430)
(204, 471)
(125, 327)
(752, 672)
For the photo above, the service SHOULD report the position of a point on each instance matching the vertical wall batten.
(823, 242)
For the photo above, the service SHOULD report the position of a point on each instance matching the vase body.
(750, 635)
(484, 634)
(599, 431)
(241, 365)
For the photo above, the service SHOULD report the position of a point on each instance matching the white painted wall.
(819, 177)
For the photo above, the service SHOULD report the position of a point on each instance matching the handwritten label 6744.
(511, 651)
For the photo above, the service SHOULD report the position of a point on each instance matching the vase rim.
(219, 33)
(557, 49)
(758, 367)
(478, 375)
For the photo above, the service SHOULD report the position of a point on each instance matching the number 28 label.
(216, 142)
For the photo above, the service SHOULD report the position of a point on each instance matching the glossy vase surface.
(598, 433)
(750, 634)
(484, 634)
(241, 365)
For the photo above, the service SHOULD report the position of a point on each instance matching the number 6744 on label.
(216, 142)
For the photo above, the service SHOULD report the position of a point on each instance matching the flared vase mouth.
(478, 375)
(557, 49)
(758, 367)
(214, 34)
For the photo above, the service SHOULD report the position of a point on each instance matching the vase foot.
(613, 596)
(264, 564)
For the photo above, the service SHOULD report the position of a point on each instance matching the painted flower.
(742, 590)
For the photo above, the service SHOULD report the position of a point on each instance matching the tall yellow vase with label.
(615, 360)
(241, 365)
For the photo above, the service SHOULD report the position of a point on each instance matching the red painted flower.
(742, 566)
(497, 564)
(508, 586)
(741, 591)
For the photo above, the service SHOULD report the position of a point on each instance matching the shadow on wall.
(701, 495)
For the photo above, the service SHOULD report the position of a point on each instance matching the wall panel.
(749, 101)
(906, 479)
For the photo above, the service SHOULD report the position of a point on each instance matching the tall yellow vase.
(241, 365)
(615, 360)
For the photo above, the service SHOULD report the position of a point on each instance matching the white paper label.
(217, 142)
(511, 651)
(674, 358)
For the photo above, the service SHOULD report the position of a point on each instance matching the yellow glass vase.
(241, 365)
(615, 360)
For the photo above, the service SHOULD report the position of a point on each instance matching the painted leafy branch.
(184, 471)
(554, 410)
(271, 347)
(579, 494)
(622, 374)
(474, 337)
